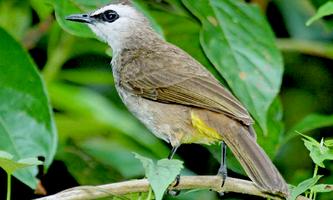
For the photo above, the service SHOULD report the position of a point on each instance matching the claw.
(177, 180)
(221, 194)
(173, 192)
(223, 174)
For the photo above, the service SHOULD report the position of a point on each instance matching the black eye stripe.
(107, 16)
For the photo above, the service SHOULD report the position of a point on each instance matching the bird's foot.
(177, 180)
(223, 167)
(224, 174)
(175, 192)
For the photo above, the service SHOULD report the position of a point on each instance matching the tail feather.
(242, 142)
(255, 162)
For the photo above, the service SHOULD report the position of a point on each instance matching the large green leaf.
(239, 42)
(26, 125)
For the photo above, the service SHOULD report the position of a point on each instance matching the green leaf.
(26, 125)
(318, 151)
(161, 174)
(10, 165)
(239, 42)
(29, 161)
(6, 155)
(309, 123)
(329, 143)
(303, 186)
(271, 142)
(322, 188)
(311, 140)
(324, 10)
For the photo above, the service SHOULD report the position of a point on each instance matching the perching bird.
(174, 96)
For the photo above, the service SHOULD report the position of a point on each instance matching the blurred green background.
(97, 135)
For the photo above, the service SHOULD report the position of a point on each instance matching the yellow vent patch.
(204, 130)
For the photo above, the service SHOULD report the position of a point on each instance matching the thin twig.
(35, 33)
(142, 185)
(314, 48)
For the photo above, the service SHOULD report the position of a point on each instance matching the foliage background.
(97, 135)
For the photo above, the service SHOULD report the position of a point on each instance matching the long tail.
(255, 162)
(242, 142)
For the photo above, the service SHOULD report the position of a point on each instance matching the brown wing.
(160, 78)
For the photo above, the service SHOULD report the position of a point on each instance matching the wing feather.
(186, 83)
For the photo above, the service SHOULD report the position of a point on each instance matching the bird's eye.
(109, 16)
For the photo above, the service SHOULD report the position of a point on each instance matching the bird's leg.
(223, 167)
(174, 192)
(172, 152)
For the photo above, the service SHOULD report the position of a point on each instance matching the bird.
(175, 96)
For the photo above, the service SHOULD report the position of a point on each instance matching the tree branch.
(142, 185)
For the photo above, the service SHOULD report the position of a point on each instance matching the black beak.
(84, 18)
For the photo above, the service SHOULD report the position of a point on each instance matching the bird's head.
(114, 23)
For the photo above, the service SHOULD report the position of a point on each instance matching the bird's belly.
(156, 116)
